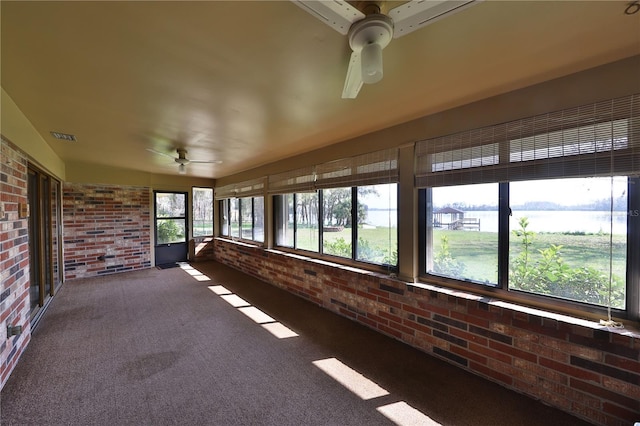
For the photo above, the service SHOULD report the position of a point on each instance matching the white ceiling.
(250, 83)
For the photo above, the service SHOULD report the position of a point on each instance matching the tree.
(337, 205)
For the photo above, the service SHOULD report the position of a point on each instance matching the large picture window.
(568, 238)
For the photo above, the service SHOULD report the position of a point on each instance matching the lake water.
(539, 221)
(382, 218)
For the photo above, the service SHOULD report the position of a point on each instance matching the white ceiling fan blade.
(206, 161)
(416, 14)
(353, 82)
(159, 153)
(338, 14)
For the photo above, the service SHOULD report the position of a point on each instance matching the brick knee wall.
(14, 258)
(106, 229)
(574, 365)
(201, 248)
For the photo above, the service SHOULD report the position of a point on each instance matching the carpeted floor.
(211, 346)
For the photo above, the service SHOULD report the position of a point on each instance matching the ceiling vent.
(63, 136)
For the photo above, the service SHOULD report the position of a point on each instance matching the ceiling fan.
(370, 31)
(182, 159)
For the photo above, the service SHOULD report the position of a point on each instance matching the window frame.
(225, 218)
(279, 199)
(503, 291)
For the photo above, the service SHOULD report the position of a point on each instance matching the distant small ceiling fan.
(182, 159)
(370, 31)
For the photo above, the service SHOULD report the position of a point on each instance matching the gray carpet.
(159, 347)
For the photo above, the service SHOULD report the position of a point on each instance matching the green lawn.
(478, 250)
(381, 249)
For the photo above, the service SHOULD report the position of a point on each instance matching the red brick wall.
(201, 249)
(14, 258)
(106, 229)
(571, 364)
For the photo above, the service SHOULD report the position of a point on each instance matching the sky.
(561, 191)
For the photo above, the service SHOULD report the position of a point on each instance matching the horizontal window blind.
(599, 139)
(368, 169)
(373, 168)
(241, 189)
(299, 180)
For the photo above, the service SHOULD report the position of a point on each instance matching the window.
(285, 221)
(345, 208)
(224, 218)
(297, 221)
(307, 230)
(337, 222)
(543, 206)
(242, 210)
(568, 238)
(234, 217)
(202, 212)
(375, 232)
(462, 233)
(377, 224)
(245, 218)
(258, 219)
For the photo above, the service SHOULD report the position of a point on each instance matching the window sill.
(630, 329)
(242, 242)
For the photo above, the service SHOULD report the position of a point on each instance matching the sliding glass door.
(44, 238)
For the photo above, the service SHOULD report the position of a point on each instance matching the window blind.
(241, 189)
(373, 168)
(299, 180)
(368, 169)
(599, 139)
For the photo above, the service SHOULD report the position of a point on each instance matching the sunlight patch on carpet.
(403, 414)
(235, 300)
(350, 378)
(219, 290)
(195, 274)
(279, 330)
(267, 322)
(256, 314)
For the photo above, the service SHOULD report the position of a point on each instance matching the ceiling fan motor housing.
(182, 156)
(369, 36)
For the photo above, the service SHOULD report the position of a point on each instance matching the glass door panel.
(43, 194)
(34, 242)
(171, 227)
